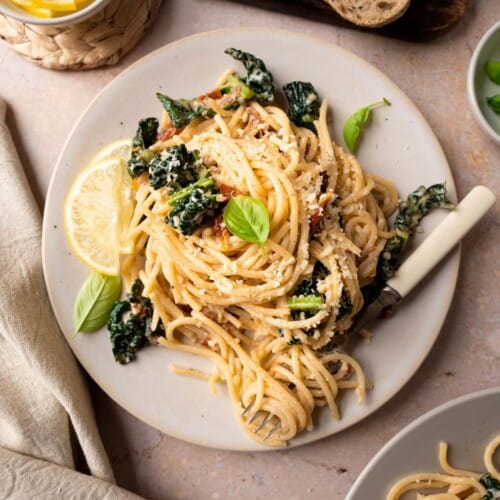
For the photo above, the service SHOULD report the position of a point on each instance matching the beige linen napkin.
(42, 392)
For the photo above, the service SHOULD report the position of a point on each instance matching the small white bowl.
(479, 86)
(10, 9)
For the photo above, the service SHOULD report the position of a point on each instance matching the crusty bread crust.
(370, 13)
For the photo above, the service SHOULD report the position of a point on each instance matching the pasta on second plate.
(453, 483)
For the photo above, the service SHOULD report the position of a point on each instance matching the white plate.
(466, 423)
(398, 145)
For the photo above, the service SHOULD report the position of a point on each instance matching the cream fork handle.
(442, 239)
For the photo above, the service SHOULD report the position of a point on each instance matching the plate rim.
(454, 256)
(415, 424)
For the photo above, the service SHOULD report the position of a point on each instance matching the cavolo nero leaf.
(492, 486)
(194, 206)
(95, 301)
(258, 78)
(248, 219)
(129, 324)
(175, 167)
(354, 125)
(345, 305)
(145, 137)
(306, 299)
(146, 133)
(183, 111)
(410, 213)
(258, 84)
(184, 193)
(418, 204)
(302, 103)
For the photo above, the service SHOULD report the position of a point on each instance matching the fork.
(429, 253)
(267, 418)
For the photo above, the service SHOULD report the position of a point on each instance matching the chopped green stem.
(233, 83)
(304, 302)
(185, 192)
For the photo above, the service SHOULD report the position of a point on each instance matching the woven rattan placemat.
(101, 40)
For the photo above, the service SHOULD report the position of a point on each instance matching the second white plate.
(466, 423)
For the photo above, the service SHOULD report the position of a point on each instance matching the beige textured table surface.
(44, 106)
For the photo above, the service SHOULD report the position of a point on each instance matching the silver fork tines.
(273, 430)
(267, 418)
(264, 422)
(246, 409)
(255, 417)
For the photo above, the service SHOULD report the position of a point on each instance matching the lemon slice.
(118, 149)
(97, 213)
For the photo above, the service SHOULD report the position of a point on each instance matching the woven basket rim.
(100, 40)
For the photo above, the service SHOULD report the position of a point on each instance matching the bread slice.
(370, 13)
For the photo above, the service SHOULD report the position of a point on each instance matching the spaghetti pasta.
(452, 483)
(225, 299)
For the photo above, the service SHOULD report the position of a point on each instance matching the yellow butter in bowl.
(51, 8)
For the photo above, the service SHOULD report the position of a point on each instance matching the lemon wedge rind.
(117, 149)
(97, 211)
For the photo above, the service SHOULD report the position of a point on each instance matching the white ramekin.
(476, 74)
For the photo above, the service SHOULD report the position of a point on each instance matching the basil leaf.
(493, 71)
(354, 124)
(94, 302)
(247, 218)
(494, 102)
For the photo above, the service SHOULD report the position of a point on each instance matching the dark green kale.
(193, 206)
(308, 286)
(258, 78)
(258, 84)
(419, 204)
(129, 324)
(306, 300)
(303, 104)
(372, 291)
(411, 211)
(144, 138)
(293, 340)
(183, 111)
(389, 259)
(206, 182)
(146, 133)
(345, 306)
(492, 486)
(175, 168)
